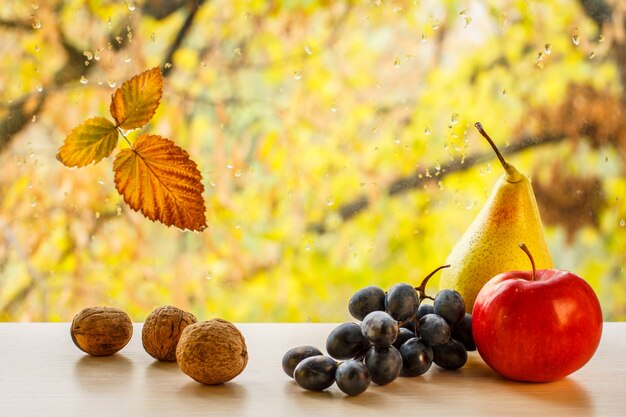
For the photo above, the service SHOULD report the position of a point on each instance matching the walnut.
(212, 352)
(101, 331)
(162, 330)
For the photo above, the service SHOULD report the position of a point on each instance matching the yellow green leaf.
(158, 178)
(89, 142)
(136, 101)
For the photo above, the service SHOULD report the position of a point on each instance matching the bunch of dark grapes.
(397, 335)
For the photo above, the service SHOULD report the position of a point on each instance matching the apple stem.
(505, 164)
(532, 261)
(421, 290)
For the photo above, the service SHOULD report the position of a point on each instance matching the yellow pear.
(491, 243)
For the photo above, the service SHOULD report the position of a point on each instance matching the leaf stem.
(125, 138)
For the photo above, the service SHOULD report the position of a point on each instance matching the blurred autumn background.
(335, 140)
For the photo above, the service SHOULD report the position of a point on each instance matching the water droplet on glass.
(237, 173)
(131, 5)
(575, 40)
(396, 62)
(454, 119)
(238, 51)
(539, 57)
(333, 108)
(111, 83)
(423, 37)
(88, 55)
(396, 140)
(378, 2)
(622, 223)
(488, 169)
(230, 165)
(330, 201)
(40, 87)
(35, 6)
(33, 119)
(504, 91)
(308, 50)
(118, 210)
(101, 182)
(592, 55)
(427, 131)
(297, 75)
(36, 24)
(168, 65)
(547, 49)
(601, 38)
(468, 21)
(128, 59)
(83, 80)
(468, 205)
(437, 166)
(119, 39)
(436, 25)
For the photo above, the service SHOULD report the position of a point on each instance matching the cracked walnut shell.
(101, 331)
(212, 352)
(162, 329)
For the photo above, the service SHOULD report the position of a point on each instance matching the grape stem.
(421, 290)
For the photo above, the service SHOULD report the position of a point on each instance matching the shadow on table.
(103, 373)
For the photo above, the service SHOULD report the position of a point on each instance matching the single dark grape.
(423, 310)
(315, 373)
(384, 364)
(379, 328)
(294, 356)
(449, 304)
(401, 301)
(417, 357)
(403, 335)
(366, 300)
(450, 355)
(434, 329)
(462, 331)
(352, 377)
(346, 341)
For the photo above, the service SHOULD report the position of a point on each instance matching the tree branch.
(407, 183)
(180, 36)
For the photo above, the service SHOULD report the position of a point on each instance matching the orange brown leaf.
(136, 101)
(158, 178)
(89, 142)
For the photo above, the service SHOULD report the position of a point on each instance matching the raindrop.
(378, 2)
(118, 210)
(96, 55)
(427, 131)
(119, 39)
(504, 91)
(36, 24)
(237, 173)
(33, 119)
(396, 140)
(238, 51)
(168, 65)
(247, 15)
(88, 55)
(297, 75)
(622, 223)
(40, 87)
(308, 50)
(396, 62)
(423, 37)
(35, 6)
(539, 57)
(547, 49)
(464, 12)
(437, 167)
(111, 83)
(601, 38)
(330, 201)
(101, 182)
(454, 119)
(131, 5)
(468, 205)
(575, 40)
(436, 25)
(128, 59)
(488, 169)
(468, 21)
(83, 80)
(153, 37)
(230, 165)
(333, 108)
(592, 55)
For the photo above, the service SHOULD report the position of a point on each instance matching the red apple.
(536, 326)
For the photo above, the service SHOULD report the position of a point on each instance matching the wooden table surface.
(44, 374)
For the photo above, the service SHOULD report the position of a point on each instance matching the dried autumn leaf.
(157, 178)
(136, 101)
(89, 142)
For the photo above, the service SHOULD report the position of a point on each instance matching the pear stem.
(480, 129)
(421, 290)
(532, 261)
